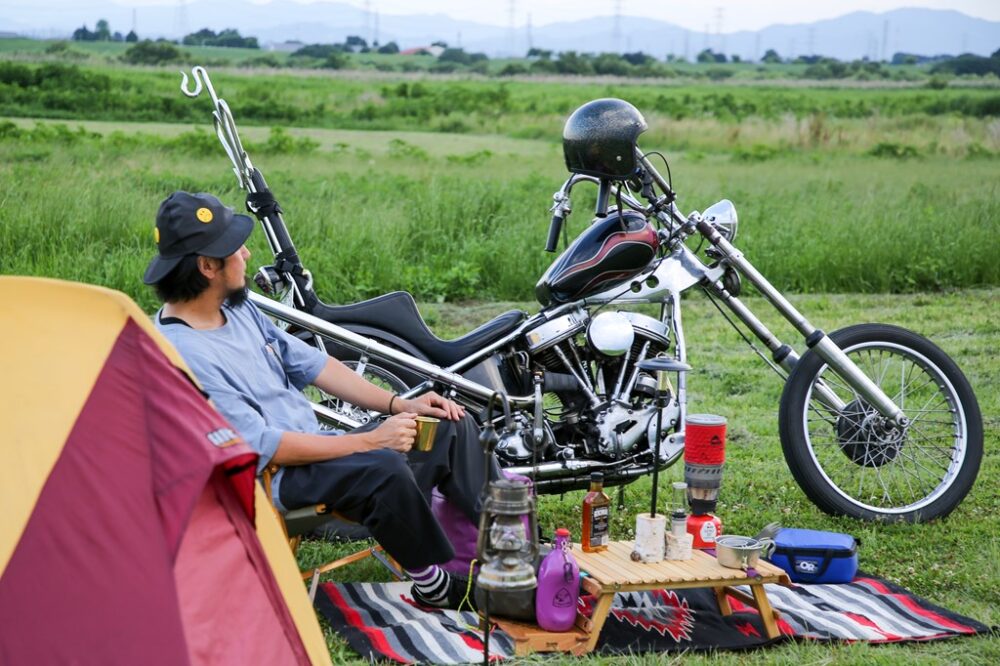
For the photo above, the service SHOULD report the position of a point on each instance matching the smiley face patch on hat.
(194, 224)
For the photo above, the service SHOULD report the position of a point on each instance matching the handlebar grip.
(555, 228)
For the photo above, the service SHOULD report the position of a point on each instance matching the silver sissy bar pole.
(251, 180)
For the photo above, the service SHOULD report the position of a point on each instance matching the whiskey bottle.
(596, 516)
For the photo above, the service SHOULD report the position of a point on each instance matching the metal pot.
(741, 552)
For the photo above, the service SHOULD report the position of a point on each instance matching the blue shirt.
(254, 373)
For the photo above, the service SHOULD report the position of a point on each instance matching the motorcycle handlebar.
(555, 228)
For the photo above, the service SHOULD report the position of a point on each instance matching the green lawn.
(952, 562)
(446, 193)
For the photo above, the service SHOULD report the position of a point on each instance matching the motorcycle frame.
(678, 270)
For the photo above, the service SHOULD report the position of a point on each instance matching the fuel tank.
(611, 251)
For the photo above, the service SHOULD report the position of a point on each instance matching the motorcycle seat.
(397, 313)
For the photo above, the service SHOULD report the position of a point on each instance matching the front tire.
(853, 463)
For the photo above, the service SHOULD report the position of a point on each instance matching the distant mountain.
(855, 35)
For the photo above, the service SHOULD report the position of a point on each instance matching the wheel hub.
(867, 438)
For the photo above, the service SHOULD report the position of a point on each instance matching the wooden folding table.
(613, 570)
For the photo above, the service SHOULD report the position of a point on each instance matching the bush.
(897, 151)
(513, 69)
(148, 52)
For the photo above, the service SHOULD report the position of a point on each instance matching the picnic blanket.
(382, 622)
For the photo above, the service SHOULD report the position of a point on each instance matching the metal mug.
(426, 429)
(741, 552)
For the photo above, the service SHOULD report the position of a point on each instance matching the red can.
(705, 439)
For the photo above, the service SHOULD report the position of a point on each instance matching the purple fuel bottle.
(558, 586)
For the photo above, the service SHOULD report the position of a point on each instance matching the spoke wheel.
(855, 462)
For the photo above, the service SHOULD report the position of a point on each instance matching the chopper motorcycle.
(876, 422)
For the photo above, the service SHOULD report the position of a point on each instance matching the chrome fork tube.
(681, 346)
(816, 339)
(781, 353)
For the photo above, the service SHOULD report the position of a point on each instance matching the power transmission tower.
(511, 38)
(180, 19)
(528, 33)
(368, 21)
(616, 33)
(375, 39)
(811, 41)
(720, 40)
(885, 38)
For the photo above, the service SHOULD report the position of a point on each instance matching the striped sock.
(431, 583)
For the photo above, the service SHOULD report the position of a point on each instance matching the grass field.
(80, 205)
(952, 562)
(863, 191)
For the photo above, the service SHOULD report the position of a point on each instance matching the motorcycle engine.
(613, 412)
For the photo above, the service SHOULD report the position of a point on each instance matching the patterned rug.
(382, 622)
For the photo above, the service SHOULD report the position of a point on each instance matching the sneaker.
(458, 584)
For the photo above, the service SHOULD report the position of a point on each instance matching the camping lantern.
(506, 547)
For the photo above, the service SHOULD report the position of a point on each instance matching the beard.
(237, 297)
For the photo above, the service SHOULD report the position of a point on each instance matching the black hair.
(184, 282)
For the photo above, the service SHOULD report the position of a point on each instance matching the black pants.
(389, 492)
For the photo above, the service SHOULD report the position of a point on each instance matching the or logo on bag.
(223, 437)
(807, 566)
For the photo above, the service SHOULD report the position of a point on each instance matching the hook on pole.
(200, 80)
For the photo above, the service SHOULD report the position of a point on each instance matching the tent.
(132, 529)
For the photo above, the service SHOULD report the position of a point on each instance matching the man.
(254, 373)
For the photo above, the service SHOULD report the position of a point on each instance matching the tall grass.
(532, 109)
(454, 224)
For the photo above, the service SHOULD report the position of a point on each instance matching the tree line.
(228, 37)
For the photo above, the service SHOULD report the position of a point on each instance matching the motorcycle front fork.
(816, 339)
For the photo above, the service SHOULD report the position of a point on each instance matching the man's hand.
(396, 432)
(432, 404)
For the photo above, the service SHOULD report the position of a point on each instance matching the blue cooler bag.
(813, 556)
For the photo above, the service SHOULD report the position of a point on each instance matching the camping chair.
(299, 522)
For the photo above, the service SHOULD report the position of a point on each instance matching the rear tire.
(850, 463)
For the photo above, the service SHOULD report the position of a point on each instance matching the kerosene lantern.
(507, 547)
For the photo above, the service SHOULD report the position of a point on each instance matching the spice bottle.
(596, 516)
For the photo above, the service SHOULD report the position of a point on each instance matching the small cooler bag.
(813, 556)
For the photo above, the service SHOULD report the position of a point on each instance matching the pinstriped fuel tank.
(611, 251)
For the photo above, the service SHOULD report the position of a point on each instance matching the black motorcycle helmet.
(599, 138)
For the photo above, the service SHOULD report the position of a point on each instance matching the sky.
(716, 15)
